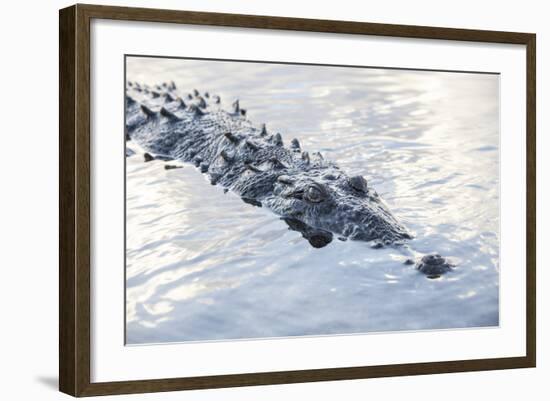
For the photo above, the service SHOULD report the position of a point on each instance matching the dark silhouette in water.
(312, 195)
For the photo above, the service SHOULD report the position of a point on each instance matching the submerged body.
(311, 194)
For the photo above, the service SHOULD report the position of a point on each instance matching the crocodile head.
(337, 203)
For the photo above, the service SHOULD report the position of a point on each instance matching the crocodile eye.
(314, 195)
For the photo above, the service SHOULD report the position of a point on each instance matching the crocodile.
(311, 194)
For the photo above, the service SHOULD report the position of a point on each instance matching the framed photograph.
(250, 200)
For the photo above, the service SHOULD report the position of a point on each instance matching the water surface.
(202, 265)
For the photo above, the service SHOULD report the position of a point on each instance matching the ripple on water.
(202, 265)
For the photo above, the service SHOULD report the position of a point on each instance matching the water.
(203, 265)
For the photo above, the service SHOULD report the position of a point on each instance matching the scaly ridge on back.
(252, 162)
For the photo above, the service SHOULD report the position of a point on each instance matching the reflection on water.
(203, 265)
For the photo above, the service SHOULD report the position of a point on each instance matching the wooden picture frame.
(75, 207)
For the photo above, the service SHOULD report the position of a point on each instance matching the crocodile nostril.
(358, 183)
